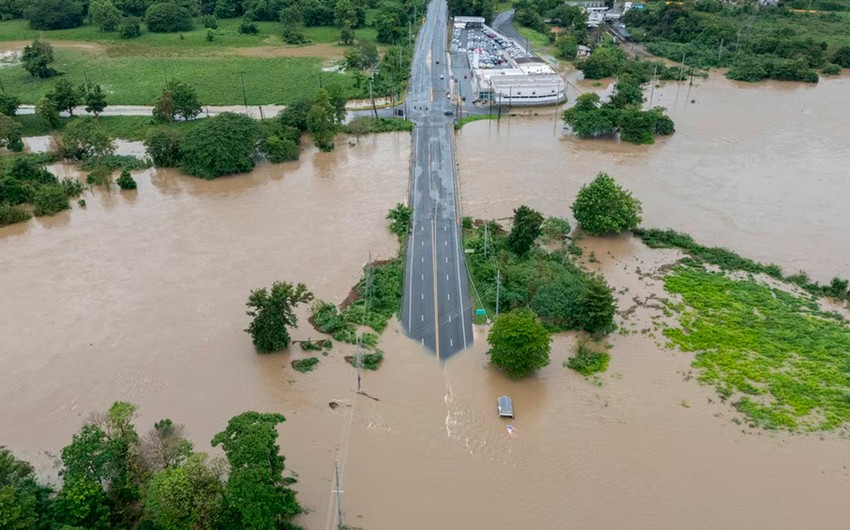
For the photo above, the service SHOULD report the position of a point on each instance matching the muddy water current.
(141, 298)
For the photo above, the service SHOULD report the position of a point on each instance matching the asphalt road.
(436, 310)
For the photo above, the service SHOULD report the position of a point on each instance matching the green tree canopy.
(24, 504)
(54, 14)
(85, 138)
(104, 14)
(188, 496)
(93, 98)
(65, 96)
(222, 145)
(321, 121)
(37, 58)
(178, 99)
(168, 17)
(519, 344)
(163, 146)
(603, 207)
(596, 306)
(525, 229)
(257, 496)
(273, 314)
(8, 104)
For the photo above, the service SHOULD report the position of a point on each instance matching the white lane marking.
(423, 318)
(422, 258)
(423, 277)
(447, 259)
(449, 296)
(447, 276)
(451, 342)
(450, 318)
(459, 290)
(422, 243)
(422, 296)
(445, 243)
(445, 228)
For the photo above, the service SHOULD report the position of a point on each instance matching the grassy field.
(782, 360)
(138, 80)
(124, 127)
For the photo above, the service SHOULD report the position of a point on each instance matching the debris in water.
(333, 405)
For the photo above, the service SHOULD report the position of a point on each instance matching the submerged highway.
(436, 309)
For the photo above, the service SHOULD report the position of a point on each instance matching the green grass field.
(138, 80)
(124, 127)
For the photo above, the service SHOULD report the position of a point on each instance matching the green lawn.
(538, 40)
(138, 80)
(124, 127)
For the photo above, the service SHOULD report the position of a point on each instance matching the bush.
(14, 192)
(167, 17)
(54, 14)
(603, 207)
(163, 147)
(305, 365)
(588, 359)
(368, 361)
(8, 104)
(99, 176)
(519, 344)
(210, 22)
(831, 69)
(279, 149)
(50, 200)
(125, 181)
(555, 229)
(104, 14)
(399, 218)
(130, 27)
(222, 145)
(12, 214)
(84, 138)
(246, 27)
(37, 58)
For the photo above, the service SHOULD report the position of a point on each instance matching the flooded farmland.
(141, 298)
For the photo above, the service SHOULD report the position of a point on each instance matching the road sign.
(481, 312)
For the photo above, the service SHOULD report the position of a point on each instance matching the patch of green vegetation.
(27, 188)
(726, 259)
(399, 218)
(469, 118)
(784, 362)
(317, 345)
(536, 39)
(368, 361)
(305, 365)
(590, 358)
(367, 125)
(138, 80)
(114, 162)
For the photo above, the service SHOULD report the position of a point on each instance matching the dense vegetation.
(782, 359)
(550, 283)
(519, 344)
(590, 358)
(27, 188)
(755, 43)
(543, 16)
(113, 477)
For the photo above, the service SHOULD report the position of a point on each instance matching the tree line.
(755, 43)
(115, 477)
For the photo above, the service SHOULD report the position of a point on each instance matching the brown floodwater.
(760, 168)
(141, 298)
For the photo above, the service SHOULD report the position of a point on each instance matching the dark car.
(449, 113)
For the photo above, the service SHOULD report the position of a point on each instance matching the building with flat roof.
(468, 22)
(513, 86)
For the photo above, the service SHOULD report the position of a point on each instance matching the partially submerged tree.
(519, 344)
(222, 145)
(525, 229)
(321, 121)
(603, 207)
(84, 138)
(273, 314)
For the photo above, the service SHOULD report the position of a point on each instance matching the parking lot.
(492, 49)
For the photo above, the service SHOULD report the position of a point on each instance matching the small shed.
(506, 407)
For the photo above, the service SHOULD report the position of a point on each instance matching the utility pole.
(338, 495)
(720, 51)
(372, 97)
(486, 223)
(652, 91)
(2, 88)
(498, 285)
(244, 95)
(682, 69)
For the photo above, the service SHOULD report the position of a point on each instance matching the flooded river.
(141, 298)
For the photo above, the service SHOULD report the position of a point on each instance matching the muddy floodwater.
(761, 168)
(141, 298)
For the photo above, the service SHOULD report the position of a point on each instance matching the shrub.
(84, 138)
(279, 149)
(368, 361)
(246, 27)
(210, 22)
(125, 181)
(50, 200)
(163, 147)
(130, 27)
(37, 58)
(8, 104)
(104, 14)
(100, 176)
(555, 229)
(305, 365)
(831, 69)
(588, 359)
(10, 214)
(221, 145)
(603, 207)
(399, 218)
(167, 17)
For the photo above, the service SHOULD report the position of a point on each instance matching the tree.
(525, 229)
(50, 200)
(126, 181)
(367, 54)
(93, 98)
(346, 34)
(257, 495)
(567, 46)
(273, 313)
(321, 122)
(82, 503)
(163, 146)
(37, 58)
(65, 96)
(556, 301)
(596, 307)
(24, 504)
(605, 61)
(54, 14)
(603, 207)
(9, 104)
(221, 145)
(104, 14)
(168, 17)
(344, 13)
(280, 149)
(130, 27)
(165, 446)
(587, 119)
(10, 134)
(519, 344)
(84, 138)
(627, 93)
(188, 496)
(47, 111)
(178, 99)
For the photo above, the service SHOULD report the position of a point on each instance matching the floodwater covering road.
(141, 296)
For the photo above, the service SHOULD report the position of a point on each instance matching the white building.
(531, 83)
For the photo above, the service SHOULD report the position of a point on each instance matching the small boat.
(506, 407)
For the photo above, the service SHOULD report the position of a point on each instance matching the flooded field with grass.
(141, 296)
